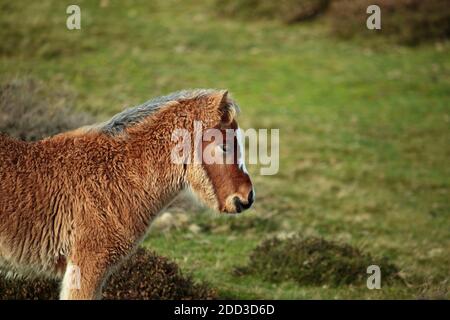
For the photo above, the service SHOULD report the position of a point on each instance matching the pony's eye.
(224, 148)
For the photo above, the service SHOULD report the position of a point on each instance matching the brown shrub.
(405, 21)
(29, 111)
(288, 11)
(144, 276)
(313, 261)
(408, 22)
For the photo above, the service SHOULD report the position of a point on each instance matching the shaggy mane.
(134, 115)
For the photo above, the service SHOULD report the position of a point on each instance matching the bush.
(313, 261)
(144, 276)
(29, 111)
(406, 21)
(288, 11)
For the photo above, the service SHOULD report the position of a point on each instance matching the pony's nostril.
(242, 205)
(238, 204)
(251, 198)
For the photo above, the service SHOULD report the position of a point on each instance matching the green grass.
(365, 128)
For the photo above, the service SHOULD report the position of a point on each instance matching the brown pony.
(83, 200)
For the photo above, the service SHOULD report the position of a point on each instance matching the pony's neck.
(150, 150)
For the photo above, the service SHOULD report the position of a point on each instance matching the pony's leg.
(84, 278)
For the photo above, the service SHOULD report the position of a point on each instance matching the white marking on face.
(241, 155)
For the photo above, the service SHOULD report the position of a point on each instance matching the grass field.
(364, 128)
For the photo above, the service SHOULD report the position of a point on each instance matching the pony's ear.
(226, 108)
(219, 98)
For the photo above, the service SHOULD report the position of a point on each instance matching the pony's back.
(10, 149)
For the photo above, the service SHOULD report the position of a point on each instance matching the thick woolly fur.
(86, 198)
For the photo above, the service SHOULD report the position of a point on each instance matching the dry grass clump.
(287, 11)
(314, 261)
(144, 276)
(405, 21)
(25, 289)
(29, 111)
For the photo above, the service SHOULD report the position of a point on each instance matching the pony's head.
(220, 179)
(216, 173)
